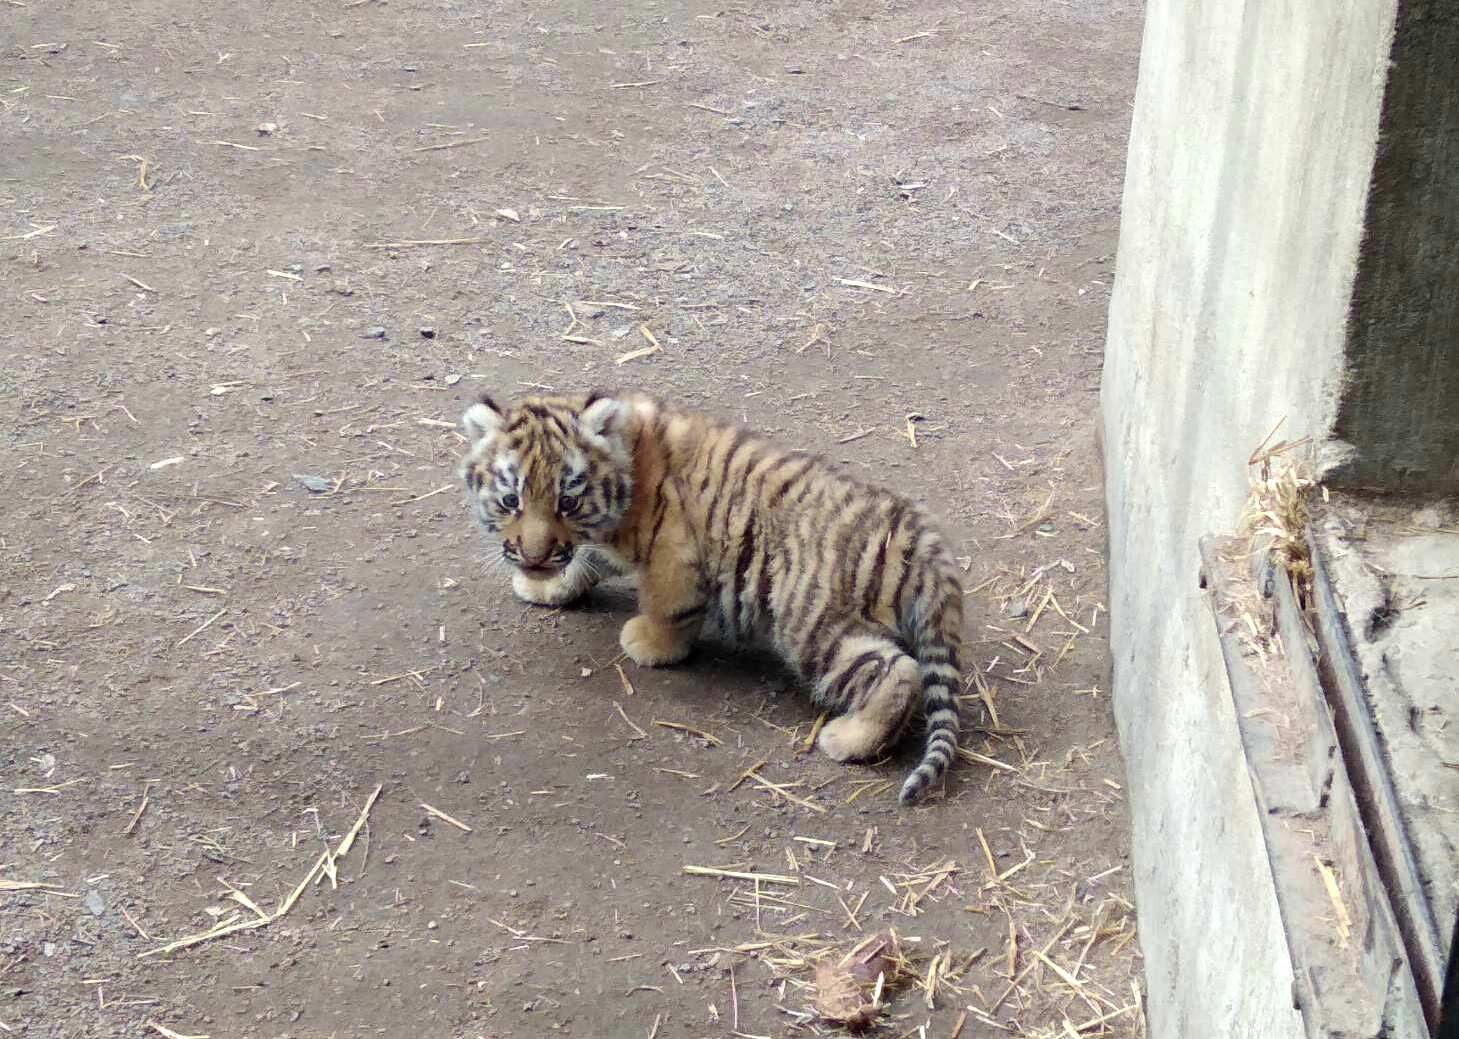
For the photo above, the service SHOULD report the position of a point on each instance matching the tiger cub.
(848, 582)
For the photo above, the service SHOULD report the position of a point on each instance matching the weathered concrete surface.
(1395, 572)
(1308, 807)
(1249, 163)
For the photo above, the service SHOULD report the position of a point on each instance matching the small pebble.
(375, 332)
(315, 484)
(427, 332)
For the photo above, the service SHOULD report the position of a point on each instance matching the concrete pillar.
(1287, 261)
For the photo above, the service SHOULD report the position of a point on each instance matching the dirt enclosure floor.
(255, 258)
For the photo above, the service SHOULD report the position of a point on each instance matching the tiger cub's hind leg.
(875, 684)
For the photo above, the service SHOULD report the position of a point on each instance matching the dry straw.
(1279, 503)
(324, 866)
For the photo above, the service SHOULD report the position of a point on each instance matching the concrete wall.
(1249, 167)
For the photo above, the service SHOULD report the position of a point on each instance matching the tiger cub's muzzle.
(552, 558)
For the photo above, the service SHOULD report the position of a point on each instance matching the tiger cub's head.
(547, 474)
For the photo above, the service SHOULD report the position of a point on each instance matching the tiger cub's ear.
(603, 416)
(481, 420)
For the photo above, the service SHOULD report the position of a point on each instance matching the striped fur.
(849, 582)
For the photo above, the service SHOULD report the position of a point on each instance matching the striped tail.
(935, 650)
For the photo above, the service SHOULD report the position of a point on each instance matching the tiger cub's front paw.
(649, 643)
(850, 738)
(557, 590)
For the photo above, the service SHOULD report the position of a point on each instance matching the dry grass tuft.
(1279, 505)
(851, 989)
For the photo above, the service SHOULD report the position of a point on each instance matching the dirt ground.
(240, 591)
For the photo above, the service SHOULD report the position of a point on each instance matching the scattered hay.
(137, 815)
(850, 990)
(639, 734)
(324, 866)
(27, 885)
(730, 874)
(915, 886)
(1279, 504)
(850, 985)
(420, 243)
(708, 737)
(448, 819)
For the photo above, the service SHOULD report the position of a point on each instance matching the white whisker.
(491, 561)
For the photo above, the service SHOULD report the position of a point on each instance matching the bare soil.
(828, 216)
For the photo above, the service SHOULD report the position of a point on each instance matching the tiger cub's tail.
(935, 637)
